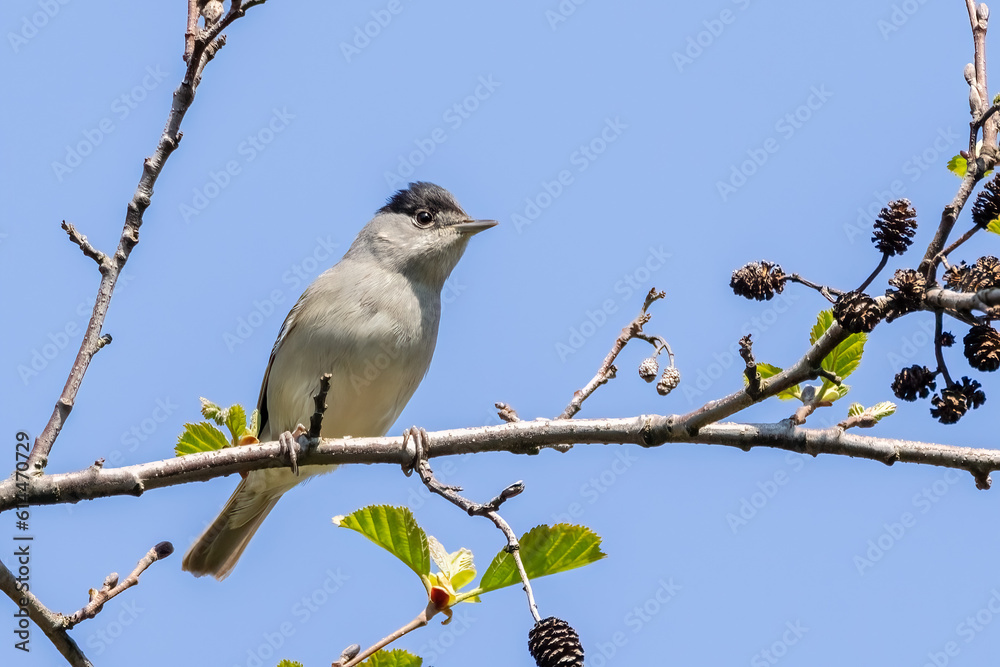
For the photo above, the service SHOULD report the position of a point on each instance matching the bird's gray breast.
(374, 331)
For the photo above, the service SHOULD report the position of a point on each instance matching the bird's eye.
(424, 218)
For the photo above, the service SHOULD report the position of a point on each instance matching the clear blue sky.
(618, 124)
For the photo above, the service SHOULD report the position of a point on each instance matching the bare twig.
(488, 510)
(316, 421)
(874, 274)
(507, 413)
(950, 249)
(205, 46)
(979, 20)
(607, 370)
(420, 621)
(192, 29)
(829, 293)
(753, 377)
(88, 250)
(113, 587)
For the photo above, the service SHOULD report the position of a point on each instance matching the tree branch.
(523, 437)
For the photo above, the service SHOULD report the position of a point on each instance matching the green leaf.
(958, 166)
(395, 530)
(394, 658)
(212, 411)
(200, 437)
(842, 360)
(236, 421)
(855, 410)
(457, 567)
(994, 226)
(881, 410)
(768, 371)
(289, 663)
(544, 550)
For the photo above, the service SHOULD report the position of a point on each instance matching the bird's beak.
(475, 226)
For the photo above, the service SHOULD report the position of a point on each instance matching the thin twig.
(828, 292)
(418, 622)
(113, 587)
(316, 421)
(507, 413)
(752, 376)
(938, 351)
(192, 29)
(606, 370)
(950, 249)
(88, 250)
(183, 97)
(488, 510)
(874, 274)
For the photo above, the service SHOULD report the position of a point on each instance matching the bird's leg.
(419, 437)
(289, 446)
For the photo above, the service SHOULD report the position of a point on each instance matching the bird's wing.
(286, 327)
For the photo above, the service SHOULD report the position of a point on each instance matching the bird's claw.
(416, 452)
(289, 446)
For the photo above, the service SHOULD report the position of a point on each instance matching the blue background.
(531, 311)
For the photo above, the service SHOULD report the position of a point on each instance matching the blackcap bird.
(381, 302)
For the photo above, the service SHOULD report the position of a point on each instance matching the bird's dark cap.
(422, 195)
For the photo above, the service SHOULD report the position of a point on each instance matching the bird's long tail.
(220, 546)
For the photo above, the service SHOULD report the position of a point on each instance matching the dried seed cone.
(554, 643)
(894, 228)
(983, 274)
(912, 382)
(947, 339)
(982, 347)
(648, 369)
(668, 381)
(758, 280)
(987, 206)
(856, 312)
(955, 400)
(911, 286)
